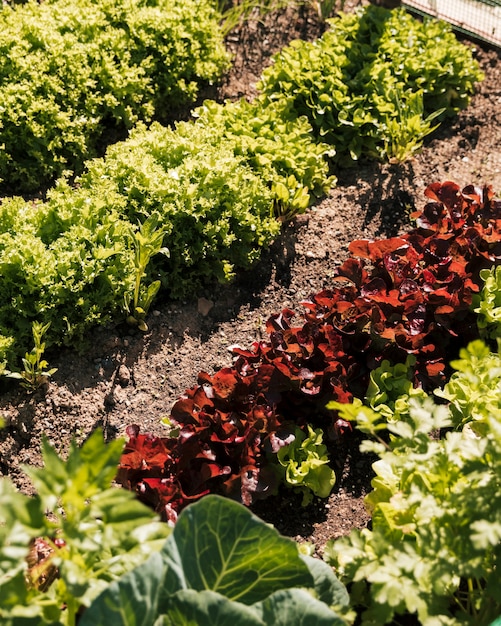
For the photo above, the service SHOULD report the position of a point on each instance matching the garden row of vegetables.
(168, 208)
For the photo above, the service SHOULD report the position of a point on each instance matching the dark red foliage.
(405, 295)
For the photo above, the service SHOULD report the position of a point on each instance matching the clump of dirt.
(128, 377)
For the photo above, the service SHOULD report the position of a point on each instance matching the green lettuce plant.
(215, 211)
(60, 548)
(375, 84)
(487, 303)
(277, 145)
(305, 464)
(221, 566)
(390, 389)
(75, 74)
(404, 124)
(65, 261)
(474, 389)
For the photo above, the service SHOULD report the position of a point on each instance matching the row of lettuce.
(407, 302)
(433, 549)
(171, 209)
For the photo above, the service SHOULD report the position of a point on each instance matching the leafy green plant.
(390, 389)
(66, 262)
(216, 213)
(374, 82)
(488, 303)
(62, 547)
(147, 241)
(474, 389)
(277, 146)
(73, 260)
(325, 7)
(434, 548)
(35, 373)
(404, 129)
(222, 565)
(75, 73)
(306, 464)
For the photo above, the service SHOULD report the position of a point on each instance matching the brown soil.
(128, 377)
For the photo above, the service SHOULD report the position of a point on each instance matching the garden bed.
(128, 377)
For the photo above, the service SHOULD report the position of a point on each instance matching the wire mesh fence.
(478, 18)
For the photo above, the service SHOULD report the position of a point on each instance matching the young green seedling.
(147, 242)
(325, 8)
(35, 373)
